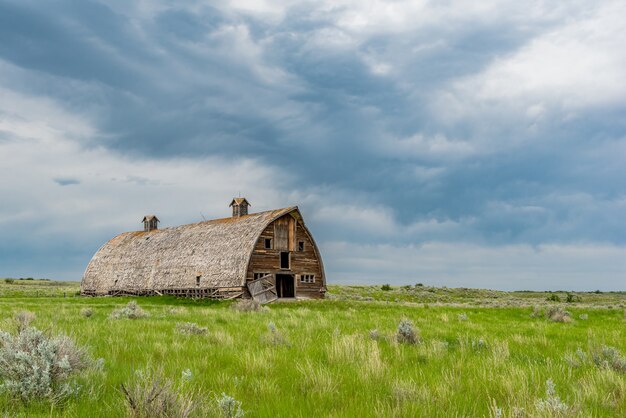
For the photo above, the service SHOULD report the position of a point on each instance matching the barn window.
(284, 259)
(300, 246)
(307, 278)
(268, 243)
(198, 280)
(259, 275)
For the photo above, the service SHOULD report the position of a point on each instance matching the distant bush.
(247, 305)
(130, 311)
(190, 328)
(571, 298)
(150, 395)
(86, 312)
(557, 314)
(9, 281)
(407, 333)
(553, 298)
(385, 287)
(419, 285)
(34, 366)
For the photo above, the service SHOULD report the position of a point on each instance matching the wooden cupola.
(240, 206)
(150, 223)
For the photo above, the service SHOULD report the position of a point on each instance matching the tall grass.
(325, 362)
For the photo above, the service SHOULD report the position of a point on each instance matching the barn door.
(284, 234)
(263, 289)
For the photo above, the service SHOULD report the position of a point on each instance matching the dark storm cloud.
(393, 114)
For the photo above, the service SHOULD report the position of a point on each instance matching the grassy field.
(480, 353)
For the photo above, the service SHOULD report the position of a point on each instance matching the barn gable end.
(305, 263)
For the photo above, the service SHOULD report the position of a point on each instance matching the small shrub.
(557, 314)
(479, 345)
(175, 310)
(87, 312)
(190, 328)
(130, 311)
(385, 287)
(537, 312)
(23, 319)
(247, 305)
(229, 407)
(186, 375)
(552, 404)
(153, 396)
(407, 333)
(274, 336)
(419, 285)
(576, 359)
(374, 334)
(609, 358)
(553, 298)
(34, 366)
(571, 298)
(9, 281)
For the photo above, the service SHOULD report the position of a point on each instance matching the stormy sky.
(452, 143)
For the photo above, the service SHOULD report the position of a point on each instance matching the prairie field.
(411, 351)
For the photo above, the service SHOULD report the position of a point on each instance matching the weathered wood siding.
(217, 251)
(285, 233)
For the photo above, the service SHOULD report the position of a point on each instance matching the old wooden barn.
(266, 256)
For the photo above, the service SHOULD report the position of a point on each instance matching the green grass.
(327, 364)
(37, 288)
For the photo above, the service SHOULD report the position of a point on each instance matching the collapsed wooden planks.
(263, 289)
(197, 293)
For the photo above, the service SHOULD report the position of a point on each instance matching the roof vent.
(240, 206)
(150, 222)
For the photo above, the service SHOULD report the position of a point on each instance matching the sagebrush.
(36, 366)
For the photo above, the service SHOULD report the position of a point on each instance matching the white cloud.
(365, 219)
(577, 65)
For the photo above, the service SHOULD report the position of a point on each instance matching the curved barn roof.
(217, 250)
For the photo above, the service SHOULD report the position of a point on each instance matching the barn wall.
(302, 262)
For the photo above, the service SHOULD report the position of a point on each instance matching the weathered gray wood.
(307, 261)
(262, 290)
